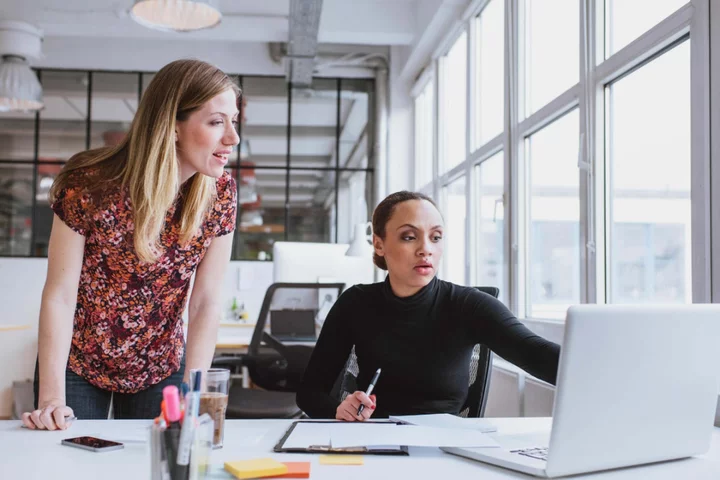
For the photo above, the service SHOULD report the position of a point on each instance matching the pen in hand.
(370, 389)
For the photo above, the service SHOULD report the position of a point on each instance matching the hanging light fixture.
(176, 15)
(20, 89)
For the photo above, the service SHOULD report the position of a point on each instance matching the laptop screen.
(291, 324)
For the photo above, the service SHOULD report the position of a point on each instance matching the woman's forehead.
(419, 213)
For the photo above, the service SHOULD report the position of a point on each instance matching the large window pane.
(356, 125)
(625, 20)
(17, 136)
(114, 101)
(490, 225)
(649, 191)
(454, 235)
(453, 104)
(552, 52)
(311, 212)
(261, 213)
(490, 78)
(15, 209)
(264, 130)
(313, 124)
(63, 121)
(554, 207)
(424, 136)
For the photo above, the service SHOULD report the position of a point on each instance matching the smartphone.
(93, 444)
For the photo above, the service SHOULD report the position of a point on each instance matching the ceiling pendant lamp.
(176, 15)
(20, 89)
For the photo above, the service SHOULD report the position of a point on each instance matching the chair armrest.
(228, 361)
(275, 343)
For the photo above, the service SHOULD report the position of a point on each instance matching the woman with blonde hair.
(132, 223)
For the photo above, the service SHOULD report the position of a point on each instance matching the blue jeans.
(92, 403)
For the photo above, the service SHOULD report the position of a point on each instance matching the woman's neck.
(400, 289)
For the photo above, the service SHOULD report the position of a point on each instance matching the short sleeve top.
(128, 329)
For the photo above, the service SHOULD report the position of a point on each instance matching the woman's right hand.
(52, 416)
(347, 410)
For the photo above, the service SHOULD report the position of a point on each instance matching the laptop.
(293, 325)
(636, 385)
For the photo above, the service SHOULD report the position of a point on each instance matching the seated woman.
(420, 330)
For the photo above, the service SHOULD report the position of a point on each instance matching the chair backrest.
(272, 364)
(480, 370)
(478, 385)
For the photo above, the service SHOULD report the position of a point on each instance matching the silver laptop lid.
(637, 384)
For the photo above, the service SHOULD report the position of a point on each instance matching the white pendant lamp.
(176, 15)
(20, 89)
(360, 245)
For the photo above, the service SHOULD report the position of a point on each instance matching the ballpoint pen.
(370, 389)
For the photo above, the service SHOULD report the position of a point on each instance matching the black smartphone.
(93, 444)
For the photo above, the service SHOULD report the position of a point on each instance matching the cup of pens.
(214, 401)
(181, 438)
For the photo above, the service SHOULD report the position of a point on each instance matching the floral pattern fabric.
(128, 329)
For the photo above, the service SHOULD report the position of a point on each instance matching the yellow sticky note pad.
(258, 468)
(341, 460)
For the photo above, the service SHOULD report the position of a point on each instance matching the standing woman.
(132, 223)
(418, 329)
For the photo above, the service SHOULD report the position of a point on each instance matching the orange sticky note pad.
(341, 460)
(295, 470)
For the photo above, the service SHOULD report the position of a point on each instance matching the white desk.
(27, 454)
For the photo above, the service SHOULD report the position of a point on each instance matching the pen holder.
(166, 451)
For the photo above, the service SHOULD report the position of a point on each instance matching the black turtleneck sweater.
(422, 343)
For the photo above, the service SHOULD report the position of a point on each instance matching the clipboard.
(279, 448)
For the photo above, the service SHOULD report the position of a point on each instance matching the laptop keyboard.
(538, 453)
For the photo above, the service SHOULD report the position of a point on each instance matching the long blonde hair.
(145, 162)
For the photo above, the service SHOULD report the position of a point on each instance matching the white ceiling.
(358, 22)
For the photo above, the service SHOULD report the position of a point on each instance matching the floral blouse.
(128, 329)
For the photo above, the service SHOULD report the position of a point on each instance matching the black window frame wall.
(235, 167)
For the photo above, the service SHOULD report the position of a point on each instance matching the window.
(490, 224)
(489, 85)
(453, 98)
(554, 216)
(552, 50)
(424, 136)
(287, 186)
(649, 182)
(625, 20)
(454, 234)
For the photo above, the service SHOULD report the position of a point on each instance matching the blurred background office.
(571, 144)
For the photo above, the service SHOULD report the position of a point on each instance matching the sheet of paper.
(309, 433)
(369, 435)
(445, 420)
(341, 460)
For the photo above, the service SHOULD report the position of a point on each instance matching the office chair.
(276, 365)
(479, 383)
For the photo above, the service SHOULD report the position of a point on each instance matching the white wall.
(21, 284)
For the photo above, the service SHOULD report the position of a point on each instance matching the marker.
(370, 389)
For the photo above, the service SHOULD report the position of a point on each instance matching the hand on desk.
(347, 410)
(50, 417)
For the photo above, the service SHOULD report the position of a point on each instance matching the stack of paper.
(445, 420)
(374, 435)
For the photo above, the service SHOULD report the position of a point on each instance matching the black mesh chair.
(275, 364)
(479, 383)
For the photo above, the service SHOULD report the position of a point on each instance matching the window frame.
(588, 96)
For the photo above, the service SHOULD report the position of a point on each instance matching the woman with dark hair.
(419, 329)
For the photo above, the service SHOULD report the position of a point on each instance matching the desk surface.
(27, 454)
